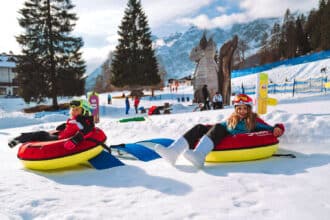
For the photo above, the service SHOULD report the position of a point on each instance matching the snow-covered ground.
(274, 188)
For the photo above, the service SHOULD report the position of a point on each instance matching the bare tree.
(225, 63)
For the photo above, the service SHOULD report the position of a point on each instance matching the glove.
(72, 143)
(61, 127)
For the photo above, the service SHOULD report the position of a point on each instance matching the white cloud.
(104, 17)
(98, 22)
(112, 39)
(161, 11)
(9, 26)
(250, 10)
(101, 17)
(221, 9)
(95, 56)
(203, 21)
(271, 8)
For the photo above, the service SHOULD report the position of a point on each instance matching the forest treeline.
(296, 36)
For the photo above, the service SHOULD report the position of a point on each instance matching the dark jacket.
(205, 92)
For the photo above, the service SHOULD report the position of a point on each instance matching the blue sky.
(99, 19)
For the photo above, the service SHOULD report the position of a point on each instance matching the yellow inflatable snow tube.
(242, 154)
(50, 155)
(244, 147)
(63, 162)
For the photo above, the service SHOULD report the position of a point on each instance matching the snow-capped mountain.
(91, 79)
(173, 51)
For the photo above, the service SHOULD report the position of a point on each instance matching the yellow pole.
(262, 93)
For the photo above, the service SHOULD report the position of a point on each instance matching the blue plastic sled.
(105, 160)
(143, 150)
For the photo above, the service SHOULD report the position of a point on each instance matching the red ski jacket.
(136, 102)
(84, 124)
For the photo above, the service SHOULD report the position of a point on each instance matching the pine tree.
(325, 25)
(134, 62)
(50, 56)
(274, 42)
(302, 41)
(264, 50)
(289, 34)
(313, 29)
(275, 36)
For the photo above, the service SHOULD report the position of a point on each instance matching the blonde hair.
(250, 119)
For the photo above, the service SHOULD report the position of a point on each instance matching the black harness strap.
(100, 143)
(118, 146)
(284, 155)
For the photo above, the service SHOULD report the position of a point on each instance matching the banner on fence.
(310, 85)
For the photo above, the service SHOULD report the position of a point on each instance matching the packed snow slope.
(302, 71)
(274, 188)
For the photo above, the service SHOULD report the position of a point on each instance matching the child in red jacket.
(79, 124)
(136, 103)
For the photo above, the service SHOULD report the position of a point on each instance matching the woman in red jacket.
(79, 124)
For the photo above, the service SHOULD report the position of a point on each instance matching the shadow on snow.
(124, 176)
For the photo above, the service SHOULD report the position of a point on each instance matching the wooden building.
(8, 84)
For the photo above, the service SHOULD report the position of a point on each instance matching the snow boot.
(197, 156)
(13, 143)
(172, 152)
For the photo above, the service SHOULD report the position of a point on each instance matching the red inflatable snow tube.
(52, 154)
(54, 149)
(248, 140)
(243, 147)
